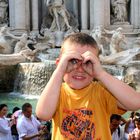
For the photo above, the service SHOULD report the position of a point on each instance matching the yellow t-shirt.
(83, 114)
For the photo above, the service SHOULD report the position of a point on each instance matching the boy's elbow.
(134, 107)
(43, 116)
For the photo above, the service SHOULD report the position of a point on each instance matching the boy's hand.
(88, 61)
(68, 61)
(96, 66)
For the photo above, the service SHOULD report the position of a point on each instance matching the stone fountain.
(29, 66)
(119, 57)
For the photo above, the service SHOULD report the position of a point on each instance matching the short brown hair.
(80, 38)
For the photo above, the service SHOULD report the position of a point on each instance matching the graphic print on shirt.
(78, 124)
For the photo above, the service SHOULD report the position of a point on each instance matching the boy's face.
(79, 77)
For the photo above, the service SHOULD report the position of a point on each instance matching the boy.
(80, 108)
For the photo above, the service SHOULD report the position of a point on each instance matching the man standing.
(27, 124)
(116, 130)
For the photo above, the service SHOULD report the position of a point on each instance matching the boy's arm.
(48, 100)
(127, 97)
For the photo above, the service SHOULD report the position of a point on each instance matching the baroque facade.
(110, 22)
(28, 15)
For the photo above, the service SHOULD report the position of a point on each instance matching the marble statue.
(120, 58)
(63, 22)
(6, 40)
(3, 11)
(47, 38)
(99, 35)
(117, 39)
(13, 59)
(120, 10)
(20, 45)
(59, 13)
(131, 77)
(24, 50)
(28, 54)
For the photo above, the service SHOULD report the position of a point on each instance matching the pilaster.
(84, 14)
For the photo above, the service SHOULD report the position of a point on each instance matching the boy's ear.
(57, 61)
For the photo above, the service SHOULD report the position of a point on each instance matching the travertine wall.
(29, 14)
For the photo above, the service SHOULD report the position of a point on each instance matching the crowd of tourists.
(122, 129)
(21, 123)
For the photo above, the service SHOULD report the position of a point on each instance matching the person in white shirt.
(5, 126)
(135, 134)
(27, 125)
(117, 131)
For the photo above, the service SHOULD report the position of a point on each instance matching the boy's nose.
(80, 68)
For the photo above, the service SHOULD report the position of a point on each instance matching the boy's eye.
(88, 62)
(74, 61)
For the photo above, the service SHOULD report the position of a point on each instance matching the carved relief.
(3, 11)
(119, 11)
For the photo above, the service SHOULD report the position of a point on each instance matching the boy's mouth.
(78, 77)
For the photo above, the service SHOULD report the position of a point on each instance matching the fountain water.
(31, 78)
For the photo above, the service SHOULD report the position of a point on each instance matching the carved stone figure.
(23, 56)
(6, 41)
(99, 35)
(130, 77)
(116, 40)
(120, 58)
(3, 11)
(26, 54)
(20, 45)
(120, 10)
(59, 13)
(46, 38)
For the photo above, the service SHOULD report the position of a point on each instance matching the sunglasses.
(74, 64)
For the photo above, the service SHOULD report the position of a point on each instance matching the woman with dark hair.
(5, 129)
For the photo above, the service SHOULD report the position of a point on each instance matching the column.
(98, 13)
(106, 13)
(91, 14)
(139, 14)
(11, 13)
(22, 15)
(84, 14)
(135, 5)
(35, 15)
(75, 8)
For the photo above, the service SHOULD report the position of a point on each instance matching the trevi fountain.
(31, 33)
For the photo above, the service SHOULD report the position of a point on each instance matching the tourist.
(117, 131)
(130, 125)
(5, 125)
(17, 112)
(80, 108)
(135, 134)
(27, 125)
